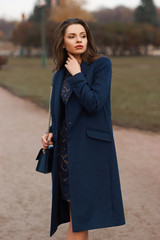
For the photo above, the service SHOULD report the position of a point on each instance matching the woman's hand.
(72, 65)
(44, 141)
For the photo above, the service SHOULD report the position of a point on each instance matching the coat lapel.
(57, 91)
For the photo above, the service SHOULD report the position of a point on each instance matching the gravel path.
(25, 198)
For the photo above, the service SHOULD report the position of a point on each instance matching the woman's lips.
(79, 46)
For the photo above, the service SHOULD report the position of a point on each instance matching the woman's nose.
(78, 39)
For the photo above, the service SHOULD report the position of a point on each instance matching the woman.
(85, 178)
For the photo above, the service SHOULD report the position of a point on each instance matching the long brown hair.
(60, 53)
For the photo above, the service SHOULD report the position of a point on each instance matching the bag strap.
(49, 119)
(49, 114)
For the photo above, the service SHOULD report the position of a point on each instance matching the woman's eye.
(83, 36)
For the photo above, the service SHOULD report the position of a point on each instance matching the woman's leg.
(83, 235)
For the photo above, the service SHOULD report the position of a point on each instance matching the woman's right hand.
(44, 141)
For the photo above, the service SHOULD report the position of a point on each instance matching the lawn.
(135, 91)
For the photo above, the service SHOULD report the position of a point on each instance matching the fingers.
(44, 141)
(50, 138)
(68, 59)
(70, 55)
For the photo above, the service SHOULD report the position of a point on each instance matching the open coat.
(94, 183)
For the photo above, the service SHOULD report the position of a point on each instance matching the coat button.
(69, 122)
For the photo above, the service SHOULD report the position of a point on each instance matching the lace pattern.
(62, 143)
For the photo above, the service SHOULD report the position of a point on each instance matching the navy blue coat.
(95, 191)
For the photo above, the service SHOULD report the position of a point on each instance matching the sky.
(12, 9)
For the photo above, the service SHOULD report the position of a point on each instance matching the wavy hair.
(60, 53)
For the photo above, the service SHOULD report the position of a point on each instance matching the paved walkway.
(25, 198)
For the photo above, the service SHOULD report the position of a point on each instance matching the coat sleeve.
(50, 129)
(93, 98)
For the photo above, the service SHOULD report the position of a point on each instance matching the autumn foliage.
(116, 37)
(68, 8)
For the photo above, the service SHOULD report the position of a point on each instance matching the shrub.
(3, 60)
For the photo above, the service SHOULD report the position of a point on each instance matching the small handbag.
(45, 156)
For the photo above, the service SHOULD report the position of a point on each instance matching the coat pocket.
(101, 135)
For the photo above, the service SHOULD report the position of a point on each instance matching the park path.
(25, 198)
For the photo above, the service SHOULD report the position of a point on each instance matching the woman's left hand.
(72, 65)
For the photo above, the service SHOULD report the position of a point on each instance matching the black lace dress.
(62, 142)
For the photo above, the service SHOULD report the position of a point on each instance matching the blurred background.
(126, 31)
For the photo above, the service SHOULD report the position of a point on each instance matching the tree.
(147, 13)
(118, 14)
(6, 28)
(69, 8)
(36, 15)
(27, 34)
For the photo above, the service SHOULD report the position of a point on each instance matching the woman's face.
(74, 36)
